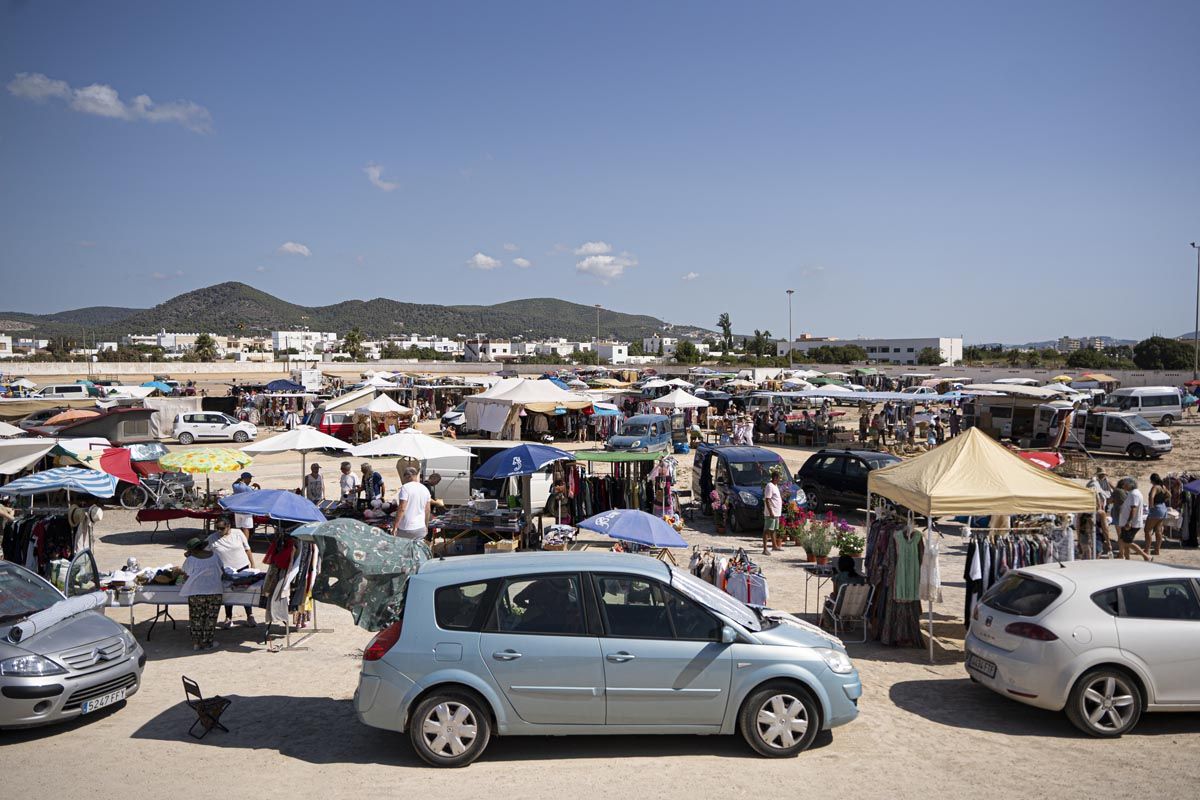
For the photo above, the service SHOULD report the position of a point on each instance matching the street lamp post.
(597, 334)
(791, 363)
(1196, 329)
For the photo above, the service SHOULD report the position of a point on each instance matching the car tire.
(463, 711)
(815, 503)
(186, 438)
(1093, 704)
(734, 525)
(241, 436)
(1136, 450)
(779, 720)
(1167, 421)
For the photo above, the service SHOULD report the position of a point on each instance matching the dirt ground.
(924, 728)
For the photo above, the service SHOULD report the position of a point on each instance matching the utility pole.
(597, 334)
(791, 363)
(1196, 329)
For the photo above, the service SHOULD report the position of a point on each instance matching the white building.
(303, 341)
(650, 345)
(487, 350)
(613, 352)
(890, 351)
(6, 346)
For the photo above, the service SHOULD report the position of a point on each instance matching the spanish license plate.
(97, 703)
(981, 665)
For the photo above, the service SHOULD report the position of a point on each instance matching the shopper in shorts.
(1129, 522)
(772, 511)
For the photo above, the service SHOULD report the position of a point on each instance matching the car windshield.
(637, 429)
(756, 473)
(1139, 424)
(708, 595)
(22, 593)
(875, 462)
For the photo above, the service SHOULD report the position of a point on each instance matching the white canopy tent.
(408, 443)
(303, 440)
(679, 399)
(378, 381)
(681, 383)
(495, 410)
(383, 404)
(655, 383)
(7, 430)
(18, 454)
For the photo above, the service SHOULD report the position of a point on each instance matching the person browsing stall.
(772, 511)
(232, 550)
(413, 509)
(203, 591)
(348, 483)
(314, 484)
(372, 484)
(244, 484)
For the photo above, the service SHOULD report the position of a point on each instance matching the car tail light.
(383, 641)
(1028, 630)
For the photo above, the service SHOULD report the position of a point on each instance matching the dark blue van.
(738, 475)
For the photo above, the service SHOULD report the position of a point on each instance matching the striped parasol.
(71, 479)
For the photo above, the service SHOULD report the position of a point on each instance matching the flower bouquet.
(847, 540)
(718, 510)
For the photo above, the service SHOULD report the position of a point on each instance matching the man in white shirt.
(1129, 520)
(348, 483)
(772, 511)
(412, 512)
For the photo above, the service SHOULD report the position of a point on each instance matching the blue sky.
(1004, 171)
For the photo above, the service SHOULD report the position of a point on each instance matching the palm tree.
(354, 344)
(726, 331)
(205, 348)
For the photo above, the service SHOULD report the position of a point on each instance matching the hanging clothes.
(931, 576)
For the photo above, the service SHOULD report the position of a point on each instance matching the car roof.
(866, 455)
(1094, 575)
(647, 418)
(734, 452)
(499, 565)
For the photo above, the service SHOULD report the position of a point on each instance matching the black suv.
(839, 477)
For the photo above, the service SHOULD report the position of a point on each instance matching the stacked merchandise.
(737, 576)
(893, 565)
(292, 568)
(34, 540)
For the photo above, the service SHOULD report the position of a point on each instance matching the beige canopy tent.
(497, 410)
(973, 474)
(382, 408)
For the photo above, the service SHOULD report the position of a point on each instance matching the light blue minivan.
(594, 643)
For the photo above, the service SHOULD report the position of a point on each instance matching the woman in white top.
(233, 551)
(202, 590)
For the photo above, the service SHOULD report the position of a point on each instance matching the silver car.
(80, 665)
(1101, 640)
(594, 643)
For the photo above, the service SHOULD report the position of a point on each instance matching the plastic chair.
(851, 604)
(685, 501)
(208, 710)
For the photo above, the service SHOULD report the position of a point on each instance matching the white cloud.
(294, 249)
(691, 276)
(261, 268)
(606, 267)
(593, 249)
(510, 247)
(158, 276)
(523, 263)
(103, 100)
(481, 261)
(374, 173)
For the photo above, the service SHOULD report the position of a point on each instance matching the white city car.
(1101, 640)
(212, 426)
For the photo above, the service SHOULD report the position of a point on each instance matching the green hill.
(238, 308)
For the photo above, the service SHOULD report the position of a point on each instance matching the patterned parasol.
(205, 460)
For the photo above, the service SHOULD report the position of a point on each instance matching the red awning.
(115, 461)
(1042, 458)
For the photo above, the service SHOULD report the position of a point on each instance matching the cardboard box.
(502, 546)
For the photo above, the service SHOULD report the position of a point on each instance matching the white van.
(1116, 432)
(540, 483)
(66, 391)
(1161, 405)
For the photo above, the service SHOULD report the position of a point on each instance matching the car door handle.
(506, 655)
(621, 657)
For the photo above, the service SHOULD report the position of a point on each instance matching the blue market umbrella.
(632, 525)
(524, 459)
(274, 503)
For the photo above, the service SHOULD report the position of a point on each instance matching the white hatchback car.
(1101, 640)
(212, 426)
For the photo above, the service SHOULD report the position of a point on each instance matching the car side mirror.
(728, 635)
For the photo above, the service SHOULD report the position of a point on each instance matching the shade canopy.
(73, 479)
(274, 503)
(71, 415)
(378, 381)
(655, 383)
(975, 474)
(24, 383)
(633, 525)
(303, 439)
(205, 460)
(679, 399)
(383, 404)
(162, 387)
(284, 385)
(524, 459)
(409, 443)
(681, 383)
(7, 430)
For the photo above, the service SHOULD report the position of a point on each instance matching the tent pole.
(928, 544)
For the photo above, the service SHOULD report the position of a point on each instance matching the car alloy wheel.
(241, 436)
(186, 438)
(1105, 703)
(1137, 451)
(450, 730)
(779, 720)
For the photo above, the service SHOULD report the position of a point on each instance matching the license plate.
(97, 703)
(981, 665)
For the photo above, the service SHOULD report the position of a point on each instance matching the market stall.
(500, 409)
(381, 416)
(972, 474)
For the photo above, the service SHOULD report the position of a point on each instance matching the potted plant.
(847, 541)
(718, 510)
(819, 544)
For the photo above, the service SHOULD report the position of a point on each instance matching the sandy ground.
(924, 730)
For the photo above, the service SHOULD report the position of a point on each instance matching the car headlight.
(30, 666)
(636, 444)
(800, 497)
(747, 498)
(130, 642)
(836, 660)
